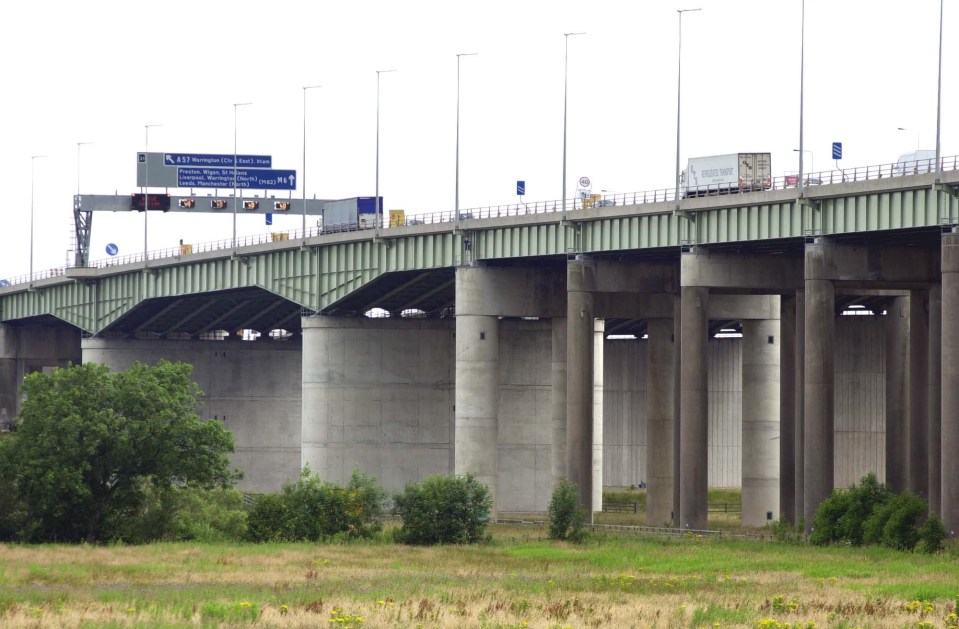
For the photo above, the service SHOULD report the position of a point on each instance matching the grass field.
(519, 580)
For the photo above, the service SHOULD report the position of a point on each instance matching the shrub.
(932, 536)
(842, 516)
(785, 532)
(184, 514)
(825, 524)
(566, 519)
(264, 522)
(443, 509)
(896, 523)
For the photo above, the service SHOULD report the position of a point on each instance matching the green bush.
(184, 514)
(842, 516)
(896, 523)
(312, 510)
(932, 536)
(443, 509)
(825, 524)
(566, 519)
(785, 532)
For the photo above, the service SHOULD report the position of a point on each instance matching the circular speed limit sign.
(584, 182)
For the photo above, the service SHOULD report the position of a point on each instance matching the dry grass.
(518, 581)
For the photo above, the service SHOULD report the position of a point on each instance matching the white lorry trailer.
(724, 174)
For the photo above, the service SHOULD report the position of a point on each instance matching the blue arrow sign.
(112, 249)
(837, 150)
(258, 178)
(213, 161)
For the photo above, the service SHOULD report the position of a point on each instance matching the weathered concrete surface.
(897, 397)
(693, 410)
(26, 349)
(660, 422)
(579, 376)
(935, 398)
(760, 421)
(950, 382)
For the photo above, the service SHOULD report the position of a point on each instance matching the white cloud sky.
(98, 71)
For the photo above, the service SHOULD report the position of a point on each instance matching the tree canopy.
(88, 441)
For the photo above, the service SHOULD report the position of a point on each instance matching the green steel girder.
(325, 270)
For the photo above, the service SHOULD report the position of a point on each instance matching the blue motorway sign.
(213, 161)
(837, 150)
(112, 249)
(257, 178)
(521, 187)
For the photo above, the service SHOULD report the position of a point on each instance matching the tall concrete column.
(677, 396)
(579, 379)
(693, 410)
(819, 384)
(950, 382)
(897, 409)
(800, 426)
(787, 407)
(599, 338)
(935, 401)
(918, 465)
(760, 432)
(558, 399)
(660, 424)
(477, 398)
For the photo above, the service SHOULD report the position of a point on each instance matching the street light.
(939, 102)
(812, 167)
(456, 208)
(679, 92)
(33, 160)
(303, 180)
(146, 184)
(379, 208)
(79, 144)
(565, 94)
(802, 79)
(236, 200)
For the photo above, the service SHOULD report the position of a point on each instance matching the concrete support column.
(897, 409)
(918, 430)
(800, 383)
(935, 401)
(579, 379)
(599, 338)
(9, 377)
(819, 388)
(26, 349)
(677, 396)
(760, 463)
(660, 404)
(950, 382)
(787, 407)
(693, 410)
(558, 399)
(477, 398)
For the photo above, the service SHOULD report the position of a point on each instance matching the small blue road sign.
(112, 249)
(269, 218)
(837, 150)
(199, 160)
(520, 188)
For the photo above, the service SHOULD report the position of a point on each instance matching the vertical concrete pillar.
(787, 407)
(477, 398)
(918, 459)
(659, 422)
(599, 338)
(558, 399)
(950, 382)
(677, 396)
(9, 380)
(819, 382)
(579, 378)
(800, 439)
(761, 435)
(935, 402)
(693, 410)
(897, 409)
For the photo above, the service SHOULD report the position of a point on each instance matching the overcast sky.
(98, 71)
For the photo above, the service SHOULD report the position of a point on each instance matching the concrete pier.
(760, 432)
(660, 422)
(897, 393)
(950, 382)
(693, 410)
(579, 380)
(935, 397)
(918, 427)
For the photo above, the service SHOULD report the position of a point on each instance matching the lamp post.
(236, 200)
(33, 161)
(303, 179)
(812, 167)
(802, 78)
(456, 205)
(939, 102)
(79, 144)
(146, 184)
(379, 208)
(679, 92)
(565, 98)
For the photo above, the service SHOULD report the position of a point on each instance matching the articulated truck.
(725, 174)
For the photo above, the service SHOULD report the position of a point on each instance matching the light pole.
(812, 167)
(146, 184)
(939, 102)
(456, 206)
(802, 78)
(303, 179)
(33, 161)
(236, 200)
(679, 92)
(379, 208)
(79, 144)
(565, 98)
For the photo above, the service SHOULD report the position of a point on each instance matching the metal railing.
(785, 182)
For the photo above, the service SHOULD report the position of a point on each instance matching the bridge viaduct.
(495, 360)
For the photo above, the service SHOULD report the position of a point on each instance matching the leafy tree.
(88, 440)
(443, 509)
(566, 519)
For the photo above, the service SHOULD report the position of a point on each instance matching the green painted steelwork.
(323, 270)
